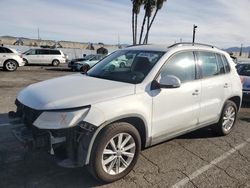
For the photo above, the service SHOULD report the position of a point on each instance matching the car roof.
(176, 46)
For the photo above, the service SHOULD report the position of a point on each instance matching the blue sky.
(220, 22)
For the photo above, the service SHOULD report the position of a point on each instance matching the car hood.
(72, 91)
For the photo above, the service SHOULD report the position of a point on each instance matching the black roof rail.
(190, 43)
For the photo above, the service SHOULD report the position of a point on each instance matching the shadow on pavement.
(245, 105)
(59, 69)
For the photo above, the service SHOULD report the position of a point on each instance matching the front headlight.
(60, 119)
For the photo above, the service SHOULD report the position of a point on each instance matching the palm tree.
(135, 11)
(148, 6)
(159, 4)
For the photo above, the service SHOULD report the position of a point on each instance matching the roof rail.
(190, 43)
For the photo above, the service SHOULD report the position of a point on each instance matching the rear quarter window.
(226, 63)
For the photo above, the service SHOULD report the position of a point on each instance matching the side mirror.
(166, 81)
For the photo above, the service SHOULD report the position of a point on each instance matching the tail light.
(242, 79)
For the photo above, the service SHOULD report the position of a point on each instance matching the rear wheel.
(116, 152)
(55, 63)
(10, 65)
(227, 119)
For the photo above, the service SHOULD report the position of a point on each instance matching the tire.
(106, 171)
(84, 68)
(227, 119)
(10, 65)
(55, 63)
(122, 65)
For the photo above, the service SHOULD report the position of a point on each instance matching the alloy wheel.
(228, 118)
(11, 65)
(118, 153)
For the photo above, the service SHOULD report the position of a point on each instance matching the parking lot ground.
(197, 159)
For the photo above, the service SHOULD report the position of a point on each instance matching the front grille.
(28, 114)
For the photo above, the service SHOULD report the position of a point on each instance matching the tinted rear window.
(55, 52)
(5, 50)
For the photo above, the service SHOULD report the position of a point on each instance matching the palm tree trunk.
(133, 27)
(142, 27)
(145, 41)
(146, 36)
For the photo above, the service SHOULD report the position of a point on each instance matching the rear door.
(215, 85)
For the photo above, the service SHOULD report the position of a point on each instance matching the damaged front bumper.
(69, 145)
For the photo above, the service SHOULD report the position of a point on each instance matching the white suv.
(104, 118)
(10, 59)
(44, 56)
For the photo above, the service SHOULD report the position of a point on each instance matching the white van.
(44, 56)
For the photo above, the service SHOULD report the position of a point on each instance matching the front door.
(177, 109)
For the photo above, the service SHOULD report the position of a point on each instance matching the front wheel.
(10, 65)
(115, 153)
(55, 63)
(227, 119)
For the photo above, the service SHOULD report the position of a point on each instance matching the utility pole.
(38, 34)
(241, 47)
(194, 32)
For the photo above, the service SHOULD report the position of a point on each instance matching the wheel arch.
(135, 120)
(11, 60)
(236, 100)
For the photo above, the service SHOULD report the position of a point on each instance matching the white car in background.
(44, 56)
(10, 59)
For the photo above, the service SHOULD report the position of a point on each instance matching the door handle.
(196, 92)
(226, 85)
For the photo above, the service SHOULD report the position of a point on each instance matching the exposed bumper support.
(69, 146)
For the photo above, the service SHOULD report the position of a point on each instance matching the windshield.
(243, 69)
(130, 66)
(27, 51)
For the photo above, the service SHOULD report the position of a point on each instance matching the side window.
(55, 52)
(46, 52)
(208, 64)
(181, 65)
(226, 64)
(2, 50)
(220, 64)
(32, 52)
(38, 52)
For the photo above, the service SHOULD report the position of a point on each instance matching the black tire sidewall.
(100, 144)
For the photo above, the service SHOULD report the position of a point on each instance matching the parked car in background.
(84, 64)
(104, 118)
(10, 59)
(243, 69)
(44, 56)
